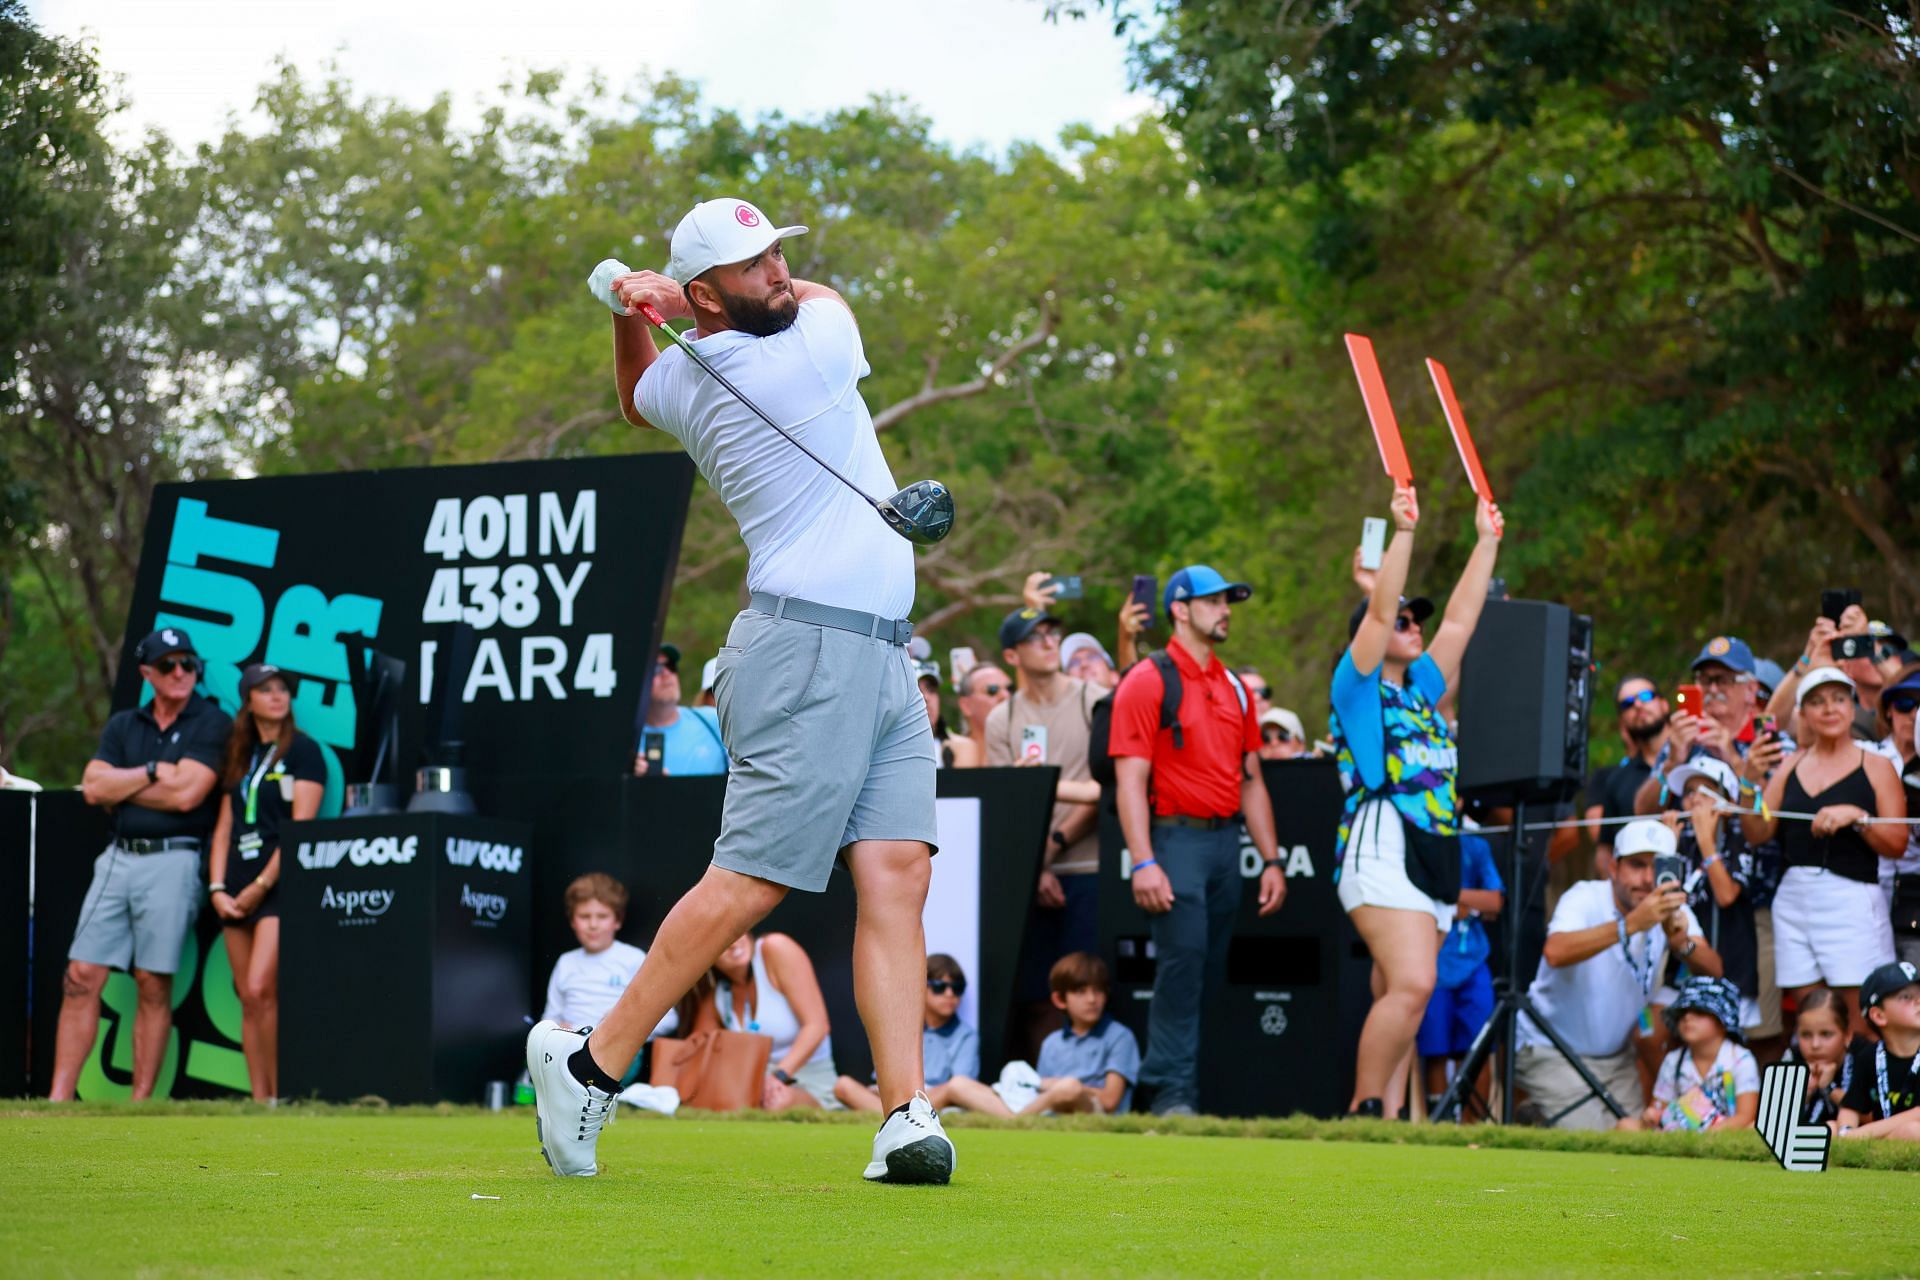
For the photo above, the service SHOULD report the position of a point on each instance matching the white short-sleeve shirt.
(586, 984)
(806, 534)
(1594, 1003)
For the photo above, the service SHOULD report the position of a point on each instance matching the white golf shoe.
(568, 1114)
(912, 1147)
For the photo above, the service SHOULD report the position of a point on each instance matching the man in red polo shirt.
(1184, 793)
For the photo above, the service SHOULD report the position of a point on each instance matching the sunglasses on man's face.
(1260, 691)
(1406, 622)
(167, 666)
(1904, 705)
(940, 987)
(1630, 701)
(991, 690)
(1278, 735)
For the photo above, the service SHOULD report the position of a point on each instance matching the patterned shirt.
(1690, 1103)
(1391, 741)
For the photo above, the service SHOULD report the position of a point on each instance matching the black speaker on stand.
(1526, 693)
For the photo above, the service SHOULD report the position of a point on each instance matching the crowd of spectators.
(1747, 899)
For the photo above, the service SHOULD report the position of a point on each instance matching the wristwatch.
(1269, 862)
(1693, 944)
(1058, 837)
(153, 771)
(782, 1076)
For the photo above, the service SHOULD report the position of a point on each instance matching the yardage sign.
(561, 568)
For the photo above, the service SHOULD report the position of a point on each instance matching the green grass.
(214, 1190)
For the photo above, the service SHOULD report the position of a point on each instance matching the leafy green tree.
(1668, 252)
(110, 373)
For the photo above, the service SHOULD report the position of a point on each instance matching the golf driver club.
(922, 513)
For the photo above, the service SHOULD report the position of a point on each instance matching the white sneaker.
(912, 1147)
(568, 1114)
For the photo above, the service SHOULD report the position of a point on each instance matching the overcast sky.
(987, 72)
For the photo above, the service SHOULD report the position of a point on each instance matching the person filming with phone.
(1714, 714)
(1397, 859)
(1186, 753)
(1607, 945)
(1830, 921)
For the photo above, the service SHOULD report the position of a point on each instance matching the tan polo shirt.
(1067, 721)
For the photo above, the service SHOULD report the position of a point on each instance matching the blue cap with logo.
(1202, 580)
(1729, 651)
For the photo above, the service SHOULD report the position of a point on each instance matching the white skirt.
(1827, 928)
(1374, 872)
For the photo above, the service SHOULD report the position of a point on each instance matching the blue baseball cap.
(1202, 580)
(1729, 651)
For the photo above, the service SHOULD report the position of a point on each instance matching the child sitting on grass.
(588, 980)
(1883, 1096)
(1820, 1041)
(1710, 1081)
(949, 1051)
(1091, 1063)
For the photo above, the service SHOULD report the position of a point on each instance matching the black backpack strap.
(1170, 697)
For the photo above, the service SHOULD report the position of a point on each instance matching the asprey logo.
(318, 855)
(487, 908)
(490, 857)
(356, 906)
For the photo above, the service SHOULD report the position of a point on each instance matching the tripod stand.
(1501, 1027)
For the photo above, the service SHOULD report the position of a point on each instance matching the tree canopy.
(1667, 254)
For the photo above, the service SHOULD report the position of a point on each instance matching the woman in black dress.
(1830, 920)
(273, 774)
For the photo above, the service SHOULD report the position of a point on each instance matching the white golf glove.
(600, 284)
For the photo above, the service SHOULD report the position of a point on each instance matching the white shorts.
(1827, 928)
(1374, 871)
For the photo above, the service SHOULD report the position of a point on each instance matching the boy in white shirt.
(589, 979)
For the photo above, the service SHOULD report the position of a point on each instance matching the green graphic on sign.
(108, 1071)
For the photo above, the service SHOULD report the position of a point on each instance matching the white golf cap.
(1076, 643)
(716, 233)
(1647, 835)
(1285, 719)
(1713, 769)
(709, 673)
(1817, 677)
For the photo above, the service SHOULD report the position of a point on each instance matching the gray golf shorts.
(138, 910)
(827, 743)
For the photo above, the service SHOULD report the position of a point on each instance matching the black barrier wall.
(203, 1057)
(655, 835)
(1279, 1037)
(16, 855)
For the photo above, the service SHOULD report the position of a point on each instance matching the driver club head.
(922, 513)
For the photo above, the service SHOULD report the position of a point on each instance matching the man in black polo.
(155, 770)
(1184, 792)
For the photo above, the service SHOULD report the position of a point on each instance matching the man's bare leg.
(890, 879)
(717, 910)
(79, 1025)
(152, 1025)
